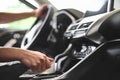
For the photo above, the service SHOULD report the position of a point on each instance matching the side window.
(117, 4)
(16, 6)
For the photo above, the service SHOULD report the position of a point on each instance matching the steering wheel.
(39, 30)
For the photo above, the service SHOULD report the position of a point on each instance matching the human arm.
(32, 59)
(6, 17)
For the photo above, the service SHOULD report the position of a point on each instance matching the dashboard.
(81, 27)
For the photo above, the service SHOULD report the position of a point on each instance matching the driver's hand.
(36, 61)
(42, 11)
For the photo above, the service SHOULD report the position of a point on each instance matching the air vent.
(85, 25)
(74, 27)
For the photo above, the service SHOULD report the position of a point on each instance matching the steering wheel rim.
(38, 27)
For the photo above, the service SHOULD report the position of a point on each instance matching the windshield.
(81, 5)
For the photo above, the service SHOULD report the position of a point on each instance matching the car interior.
(84, 45)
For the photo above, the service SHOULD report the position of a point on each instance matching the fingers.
(44, 64)
(51, 59)
(36, 61)
(41, 12)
